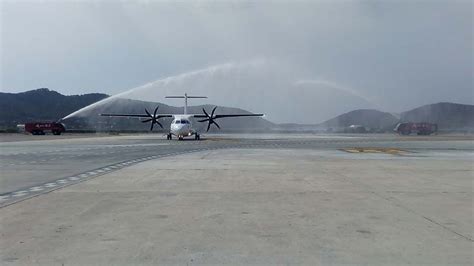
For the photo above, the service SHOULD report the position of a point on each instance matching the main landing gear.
(169, 136)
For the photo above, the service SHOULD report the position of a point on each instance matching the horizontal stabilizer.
(189, 97)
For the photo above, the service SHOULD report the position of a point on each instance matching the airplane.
(182, 125)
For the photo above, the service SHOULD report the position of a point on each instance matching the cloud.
(393, 54)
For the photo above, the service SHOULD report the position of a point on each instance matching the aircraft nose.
(179, 128)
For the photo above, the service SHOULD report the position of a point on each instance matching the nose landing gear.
(169, 136)
(197, 136)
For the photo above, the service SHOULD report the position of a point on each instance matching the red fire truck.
(40, 128)
(416, 128)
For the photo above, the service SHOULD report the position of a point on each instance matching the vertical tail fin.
(186, 97)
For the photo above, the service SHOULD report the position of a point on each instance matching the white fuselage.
(182, 126)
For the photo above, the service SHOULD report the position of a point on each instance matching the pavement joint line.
(398, 204)
(18, 196)
(4, 197)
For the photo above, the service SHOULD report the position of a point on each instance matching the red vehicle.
(40, 128)
(418, 128)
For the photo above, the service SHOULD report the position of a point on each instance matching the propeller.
(153, 118)
(210, 118)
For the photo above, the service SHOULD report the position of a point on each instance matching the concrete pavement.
(255, 206)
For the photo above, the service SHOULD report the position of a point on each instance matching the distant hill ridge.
(48, 105)
(129, 106)
(368, 118)
(41, 104)
(446, 115)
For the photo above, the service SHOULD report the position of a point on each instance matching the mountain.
(90, 119)
(369, 118)
(47, 105)
(40, 105)
(448, 116)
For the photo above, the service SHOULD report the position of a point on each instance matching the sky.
(284, 58)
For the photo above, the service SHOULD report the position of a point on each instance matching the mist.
(257, 86)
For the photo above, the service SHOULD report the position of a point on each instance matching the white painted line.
(36, 189)
(62, 181)
(83, 175)
(50, 185)
(18, 194)
(73, 178)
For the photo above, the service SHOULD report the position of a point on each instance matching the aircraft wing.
(136, 115)
(222, 116)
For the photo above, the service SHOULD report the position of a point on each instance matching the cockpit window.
(184, 121)
(177, 122)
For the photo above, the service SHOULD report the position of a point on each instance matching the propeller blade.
(213, 110)
(153, 118)
(208, 127)
(204, 120)
(148, 113)
(204, 110)
(217, 125)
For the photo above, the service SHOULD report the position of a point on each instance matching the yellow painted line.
(374, 150)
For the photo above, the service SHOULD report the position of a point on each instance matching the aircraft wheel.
(197, 137)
